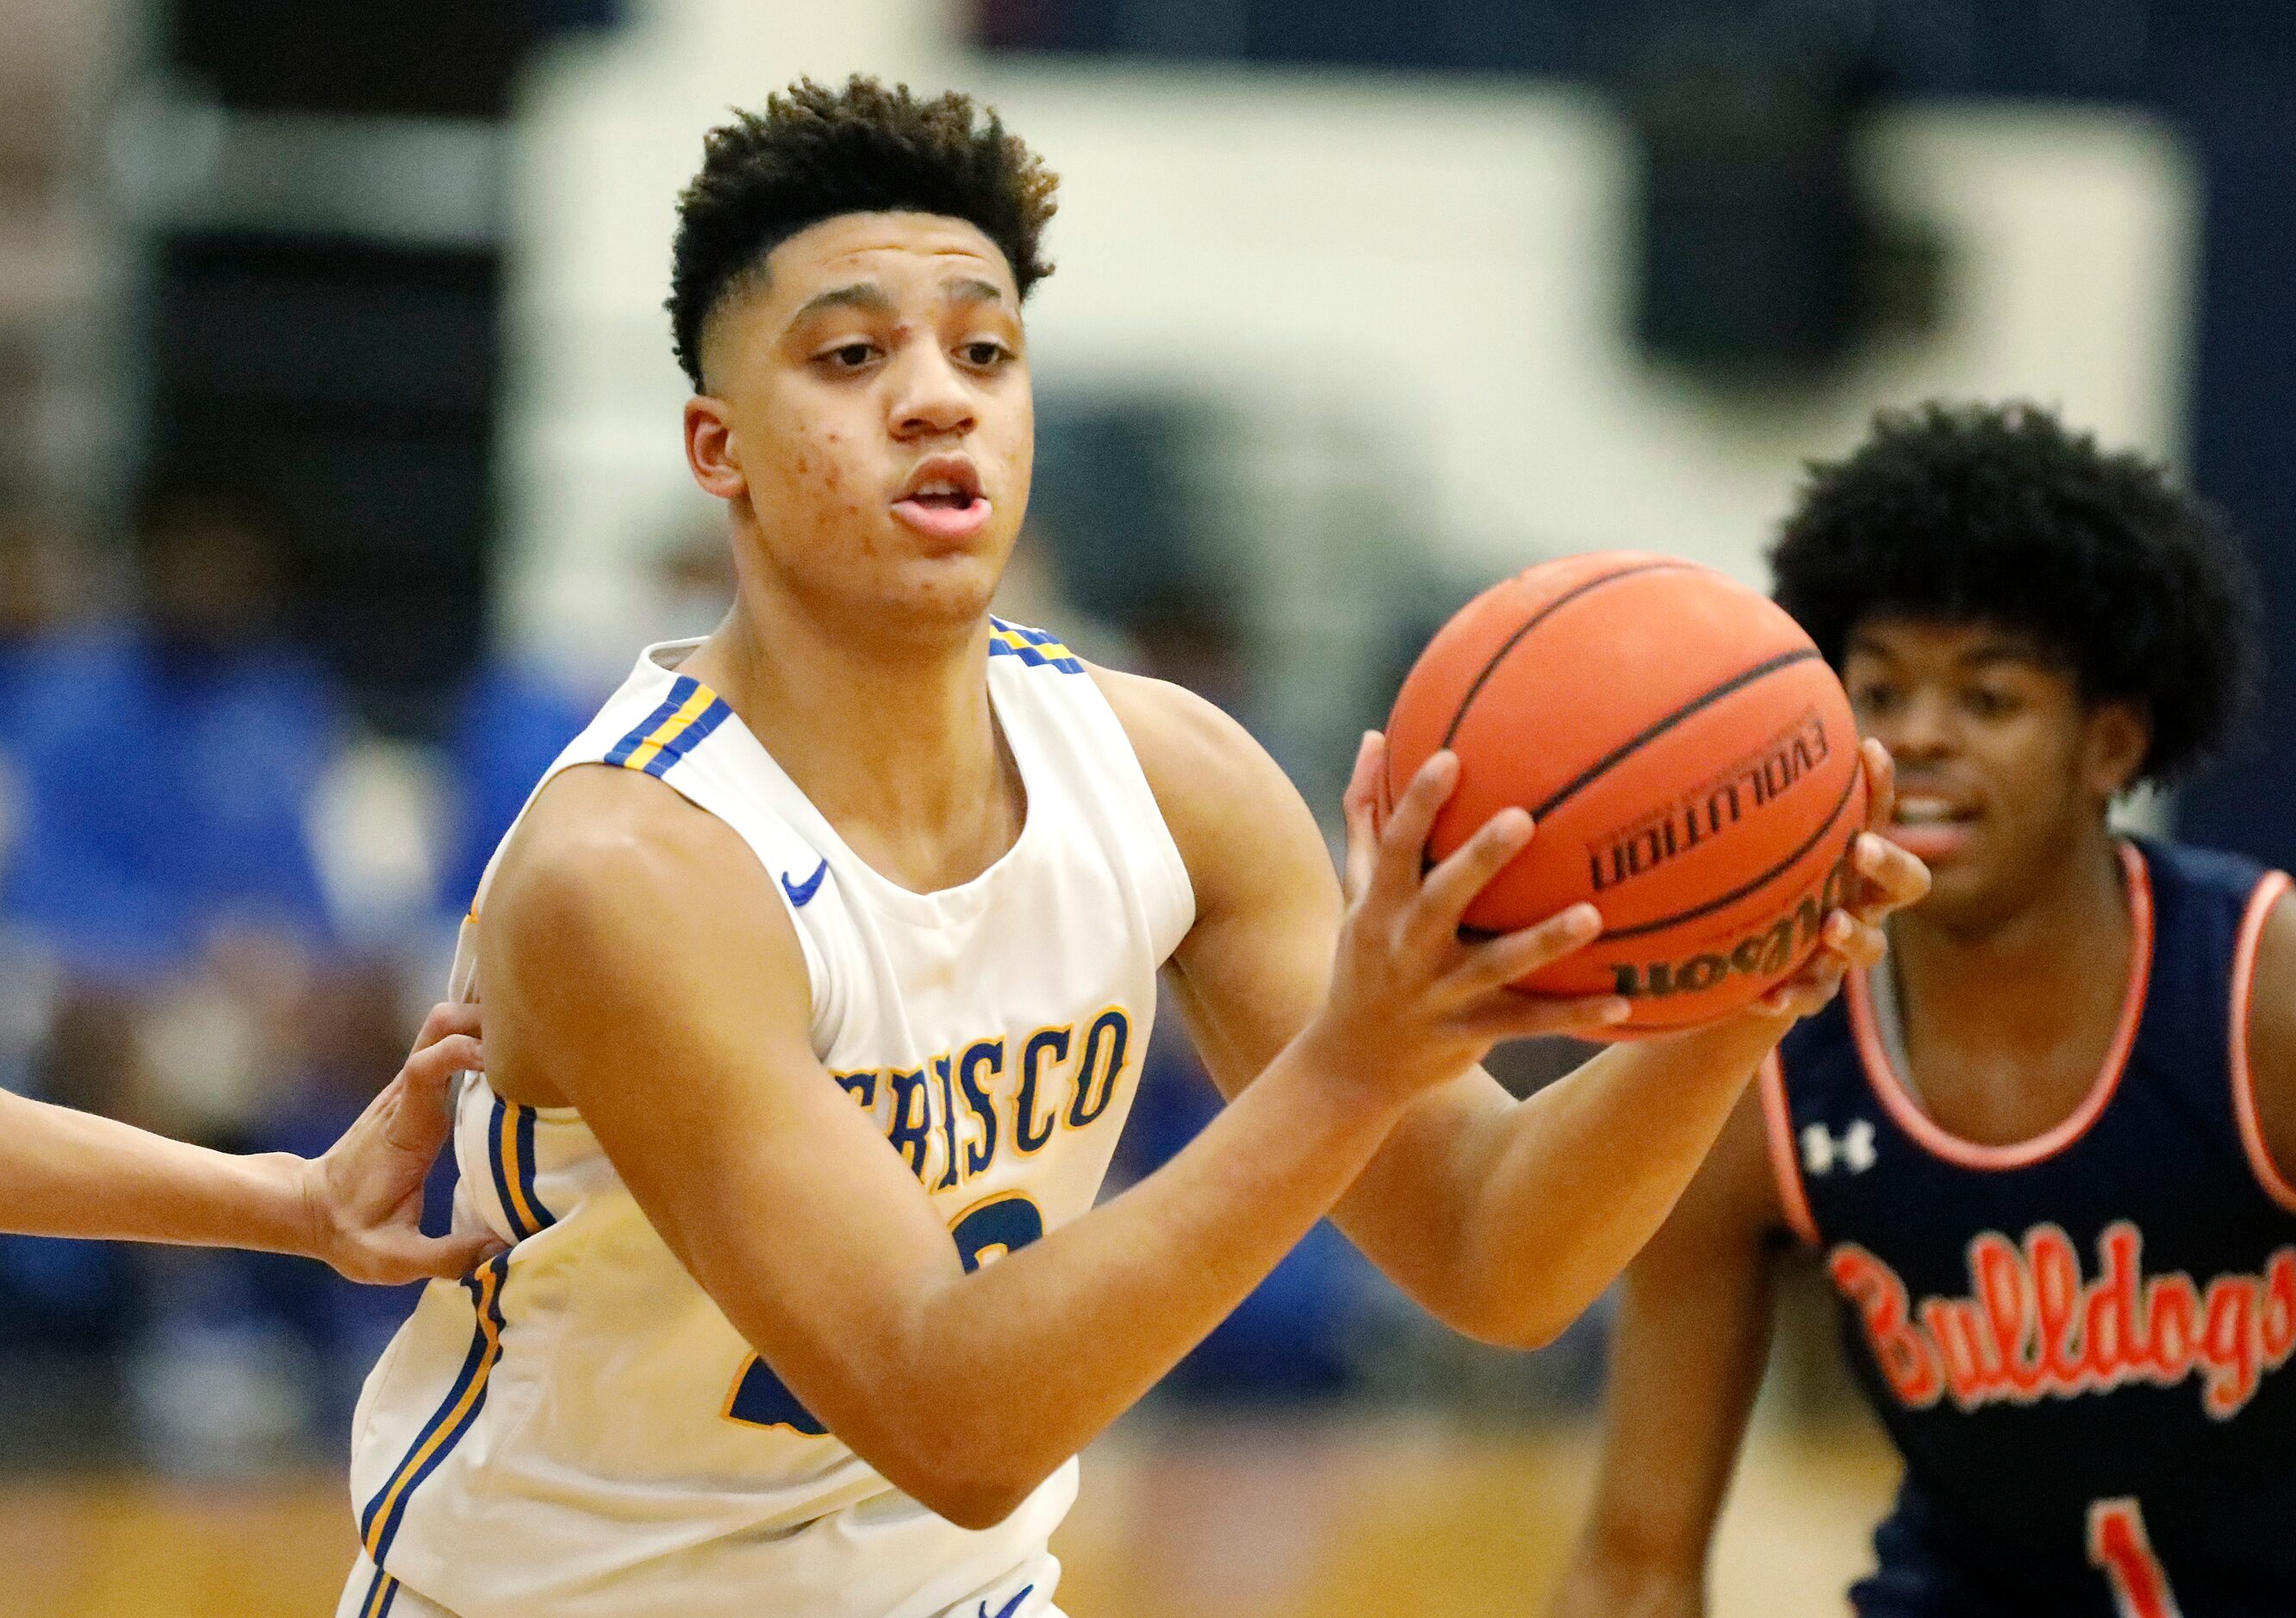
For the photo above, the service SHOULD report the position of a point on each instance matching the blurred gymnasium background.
(339, 476)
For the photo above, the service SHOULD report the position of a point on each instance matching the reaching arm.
(1504, 1220)
(686, 1049)
(68, 1173)
(1693, 1334)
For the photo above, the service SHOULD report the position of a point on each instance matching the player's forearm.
(1600, 1583)
(68, 1173)
(1102, 1309)
(1569, 1186)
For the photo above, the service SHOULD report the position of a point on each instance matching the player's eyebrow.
(865, 296)
(2010, 648)
(971, 289)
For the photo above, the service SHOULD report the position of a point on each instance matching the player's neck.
(2032, 1000)
(2070, 905)
(891, 737)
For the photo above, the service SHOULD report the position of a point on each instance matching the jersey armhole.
(2268, 892)
(1777, 1132)
(817, 971)
(1124, 763)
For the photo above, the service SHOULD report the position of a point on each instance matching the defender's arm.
(639, 964)
(67, 1173)
(1693, 1334)
(1504, 1220)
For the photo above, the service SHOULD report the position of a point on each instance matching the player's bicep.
(685, 1049)
(1255, 965)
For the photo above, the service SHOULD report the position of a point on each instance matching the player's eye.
(1874, 699)
(984, 354)
(1986, 703)
(849, 355)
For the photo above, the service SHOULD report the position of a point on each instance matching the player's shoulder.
(1219, 792)
(2272, 989)
(604, 853)
(1175, 733)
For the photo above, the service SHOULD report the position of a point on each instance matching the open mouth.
(1932, 826)
(1926, 809)
(943, 500)
(944, 483)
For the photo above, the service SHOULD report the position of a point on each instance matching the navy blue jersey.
(2078, 1342)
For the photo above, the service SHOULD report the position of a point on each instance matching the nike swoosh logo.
(1010, 1607)
(800, 894)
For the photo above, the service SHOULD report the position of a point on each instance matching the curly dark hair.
(814, 153)
(2000, 513)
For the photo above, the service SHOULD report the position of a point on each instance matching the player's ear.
(2115, 737)
(709, 448)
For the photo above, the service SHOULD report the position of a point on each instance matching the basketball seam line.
(1658, 729)
(1755, 886)
(1526, 627)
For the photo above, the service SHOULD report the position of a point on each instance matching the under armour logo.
(1853, 1149)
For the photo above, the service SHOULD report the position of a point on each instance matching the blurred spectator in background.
(517, 713)
(164, 912)
(165, 764)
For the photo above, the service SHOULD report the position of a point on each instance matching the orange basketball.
(1688, 757)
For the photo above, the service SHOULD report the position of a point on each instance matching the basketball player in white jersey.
(359, 1207)
(818, 972)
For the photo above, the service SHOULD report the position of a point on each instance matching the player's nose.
(1923, 727)
(929, 399)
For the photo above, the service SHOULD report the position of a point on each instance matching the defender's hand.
(364, 1196)
(1889, 879)
(1411, 1005)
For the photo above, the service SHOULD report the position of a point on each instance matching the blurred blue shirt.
(514, 720)
(162, 790)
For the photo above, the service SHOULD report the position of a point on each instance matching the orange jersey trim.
(2268, 892)
(1882, 1075)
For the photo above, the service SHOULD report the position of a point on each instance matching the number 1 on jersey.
(2118, 1546)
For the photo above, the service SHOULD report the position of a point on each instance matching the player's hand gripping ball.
(1688, 759)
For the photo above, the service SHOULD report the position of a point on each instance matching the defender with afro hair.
(2001, 515)
(816, 153)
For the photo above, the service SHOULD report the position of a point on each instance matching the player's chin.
(1961, 890)
(954, 588)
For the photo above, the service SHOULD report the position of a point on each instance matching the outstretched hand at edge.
(364, 1196)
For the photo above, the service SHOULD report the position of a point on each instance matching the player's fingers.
(1880, 783)
(1860, 945)
(1360, 807)
(419, 1118)
(446, 1017)
(1893, 877)
(1452, 886)
(401, 1255)
(1402, 848)
(1506, 1015)
(1515, 956)
(1809, 989)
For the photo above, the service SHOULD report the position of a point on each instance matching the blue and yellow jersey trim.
(381, 1591)
(686, 716)
(1033, 647)
(510, 1154)
(465, 1398)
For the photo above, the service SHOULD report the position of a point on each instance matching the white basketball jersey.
(576, 1428)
